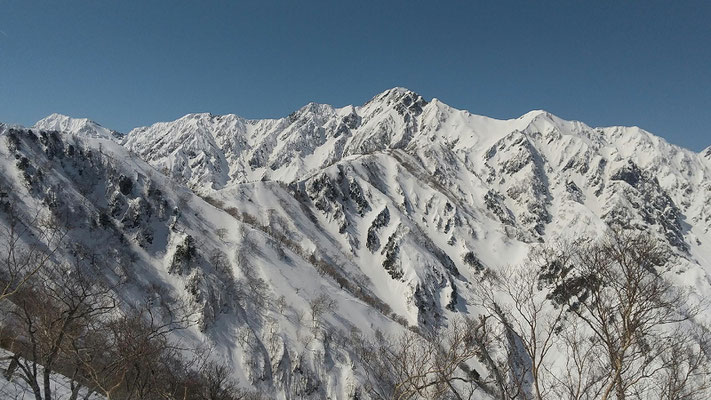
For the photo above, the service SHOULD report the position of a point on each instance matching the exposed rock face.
(391, 209)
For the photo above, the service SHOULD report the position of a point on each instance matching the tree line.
(58, 318)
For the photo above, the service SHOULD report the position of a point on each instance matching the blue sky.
(131, 63)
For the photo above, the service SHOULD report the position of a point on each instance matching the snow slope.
(82, 126)
(250, 294)
(523, 170)
(392, 209)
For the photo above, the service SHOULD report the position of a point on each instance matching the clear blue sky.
(131, 63)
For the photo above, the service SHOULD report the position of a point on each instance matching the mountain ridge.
(60, 122)
(392, 209)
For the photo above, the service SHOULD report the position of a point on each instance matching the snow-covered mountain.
(248, 287)
(81, 126)
(391, 209)
(525, 170)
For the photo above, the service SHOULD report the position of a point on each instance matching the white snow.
(452, 182)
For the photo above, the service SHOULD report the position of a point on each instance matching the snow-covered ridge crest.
(229, 149)
(80, 126)
(209, 152)
(388, 212)
(521, 169)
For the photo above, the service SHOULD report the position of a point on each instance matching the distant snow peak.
(534, 113)
(384, 211)
(78, 126)
(199, 116)
(399, 96)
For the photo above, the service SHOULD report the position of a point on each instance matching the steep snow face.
(207, 152)
(392, 208)
(522, 170)
(421, 189)
(193, 148)
(79, 126)
(228, 149)
(248, 285)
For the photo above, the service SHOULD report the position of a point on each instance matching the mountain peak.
(399, 89)
(543, 115)
(200, 115)
(58, 119)
(80, 126)
(706, 153)
(55, 116)
(534, 114)
(314, 107)
(399, 99)
(397, 93)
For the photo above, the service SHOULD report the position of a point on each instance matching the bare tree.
(222, 233)
(253, 291)
(581, 375)
(687, 371)
(413, 366)
(621, 328)
(49, 315)
(218, 384)
(319, 306)
(132, 356)
(25, 247)
(635, 317)
(522, 326)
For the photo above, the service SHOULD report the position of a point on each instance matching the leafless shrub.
(319, 306)
(50, 314)
(636, 317)
(25, 247)
(605, 305)
(414, 366)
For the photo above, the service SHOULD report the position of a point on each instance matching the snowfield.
(331, 224)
